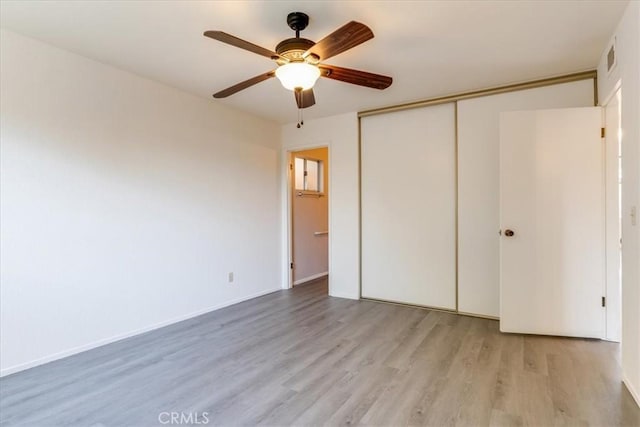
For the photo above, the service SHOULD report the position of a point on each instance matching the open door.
(552, 250)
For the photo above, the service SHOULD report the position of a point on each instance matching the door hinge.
(604, 301)
(602, 132)
(292, 266)
(290, 166)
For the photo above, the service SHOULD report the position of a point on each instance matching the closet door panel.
(408, 206)
(479, 185)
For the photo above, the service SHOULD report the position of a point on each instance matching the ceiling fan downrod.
(297, 21)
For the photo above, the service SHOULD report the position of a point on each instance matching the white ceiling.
(430, 48)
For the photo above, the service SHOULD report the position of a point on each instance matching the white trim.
(632, 391)
(611, 94)
(613, 253)
(287, 202)
(75, 350)
(309, 278)
(345, 296)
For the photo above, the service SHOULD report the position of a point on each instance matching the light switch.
(634, 215)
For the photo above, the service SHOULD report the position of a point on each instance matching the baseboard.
(481, 316)
(75, 350)
(345, 296)
(407, 304)
(632, 390)
(309, 278)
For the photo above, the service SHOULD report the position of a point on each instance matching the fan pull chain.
(300, 116)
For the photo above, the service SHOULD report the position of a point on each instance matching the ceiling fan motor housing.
(293, 49)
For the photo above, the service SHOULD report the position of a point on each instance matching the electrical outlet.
(231, 277)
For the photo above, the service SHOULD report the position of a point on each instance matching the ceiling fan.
(299, 60)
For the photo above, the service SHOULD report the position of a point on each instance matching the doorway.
(309, 213)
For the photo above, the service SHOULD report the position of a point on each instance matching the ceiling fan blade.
(243, 85)
(344, 38)
(242, 44)
(304, 98)
(356, 77)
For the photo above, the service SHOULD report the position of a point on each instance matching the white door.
(552, 250)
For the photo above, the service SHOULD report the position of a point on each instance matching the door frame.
(287, 159)
(613, 309)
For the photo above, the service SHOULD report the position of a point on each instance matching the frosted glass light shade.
(297, 75)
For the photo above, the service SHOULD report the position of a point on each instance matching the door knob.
(509, 233)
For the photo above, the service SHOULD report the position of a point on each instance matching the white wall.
(627, 72)
(340, 134)
(125, 203)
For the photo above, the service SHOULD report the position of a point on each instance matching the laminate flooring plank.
(534, 399)
(400, 358)
(504, 419)
(399, 322)
(290, 410)
(481, 375)
(534, 355)
(248, 410)
(430, 362)
(318, 368)
(505, 398)
(446, 406)
(394, 404)
(361, 398)
(299, 357)
(425, 411)
(328, 403)
(563, 384)
(372, 352)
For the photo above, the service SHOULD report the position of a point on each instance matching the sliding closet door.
(408, 178)
(479, 184)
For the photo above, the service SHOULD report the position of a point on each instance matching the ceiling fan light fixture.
(297, 75)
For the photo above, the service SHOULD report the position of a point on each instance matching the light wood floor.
(300, 357)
